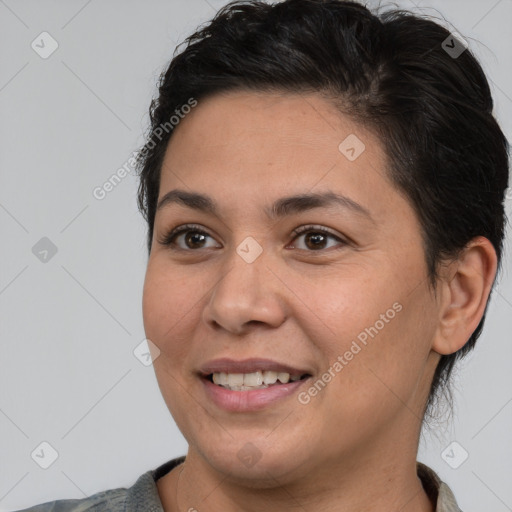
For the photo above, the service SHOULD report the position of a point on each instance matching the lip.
(251, 365)
(253, 400)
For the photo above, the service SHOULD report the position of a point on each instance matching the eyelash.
(168, 239)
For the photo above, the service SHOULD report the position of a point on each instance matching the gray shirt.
(143, 495)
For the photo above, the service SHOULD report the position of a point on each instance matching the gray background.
(68, 374)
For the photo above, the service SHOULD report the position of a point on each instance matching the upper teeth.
(252, 379)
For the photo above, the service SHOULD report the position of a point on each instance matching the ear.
(464, 290)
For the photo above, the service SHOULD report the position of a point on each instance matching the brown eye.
(191, 237)
(316, 238)
(194, 239)
(188, 237)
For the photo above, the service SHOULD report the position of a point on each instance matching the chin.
(256, 464)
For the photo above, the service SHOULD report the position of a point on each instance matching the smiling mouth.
(253, 380)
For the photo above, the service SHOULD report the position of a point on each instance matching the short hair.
(430, 108)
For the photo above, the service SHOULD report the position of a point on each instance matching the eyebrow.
(280, 208)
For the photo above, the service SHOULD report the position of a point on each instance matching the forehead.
(278, 119)
(262, 145)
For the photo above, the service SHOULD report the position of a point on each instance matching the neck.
(194, 486)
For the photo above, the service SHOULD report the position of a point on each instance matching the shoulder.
(142, 496)
(437, 490)
(112, 500)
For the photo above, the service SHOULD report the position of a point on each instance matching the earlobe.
(465, 290)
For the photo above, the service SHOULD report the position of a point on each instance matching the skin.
(353, 447)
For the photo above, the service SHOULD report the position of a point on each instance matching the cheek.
(162, 306)
(335, 308)
(165, 304)
(380, 329)
(155, 305)
(387, 371)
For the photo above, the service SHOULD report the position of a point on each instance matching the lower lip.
(246, 401)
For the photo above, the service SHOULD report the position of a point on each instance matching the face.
(337, 290)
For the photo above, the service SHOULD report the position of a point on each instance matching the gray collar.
(143, 495)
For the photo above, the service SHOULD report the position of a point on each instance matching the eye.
(316, 237)
(193, 237)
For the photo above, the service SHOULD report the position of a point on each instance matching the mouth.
(250, 385)
(249, 374)
(253, 380)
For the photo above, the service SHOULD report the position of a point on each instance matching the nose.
(247, 295)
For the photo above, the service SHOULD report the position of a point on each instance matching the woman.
(324, 195)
